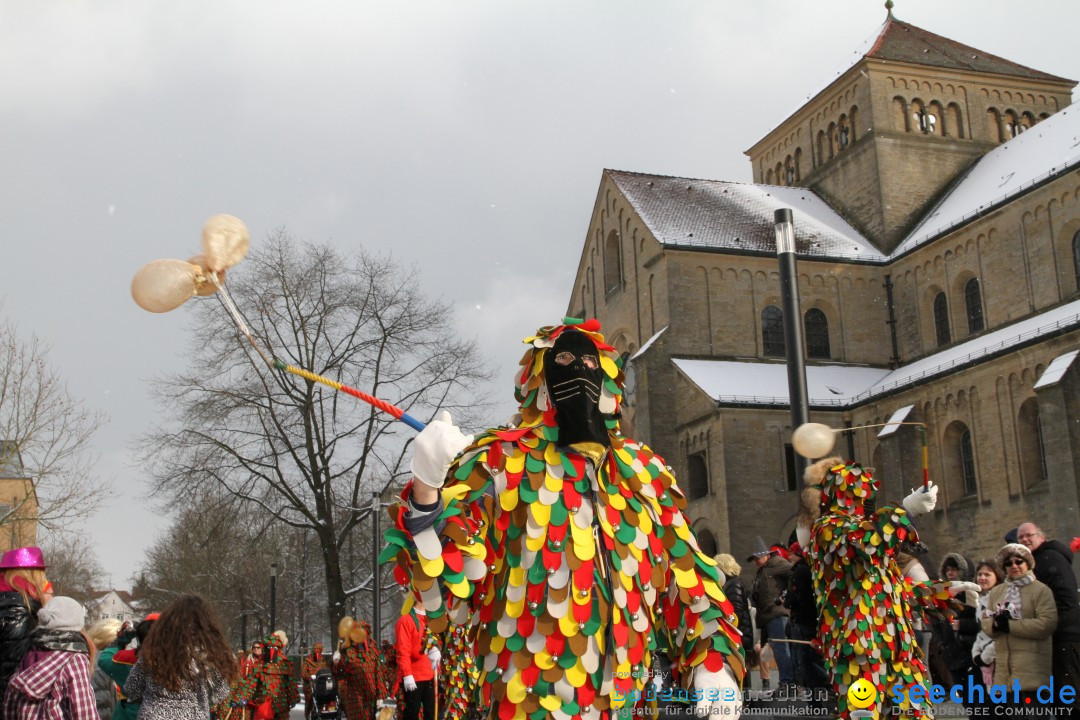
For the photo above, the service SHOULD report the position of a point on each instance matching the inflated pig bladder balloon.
(225, 241)
(204, 286)
(164, 285)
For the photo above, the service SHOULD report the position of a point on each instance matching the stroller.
(324, 697)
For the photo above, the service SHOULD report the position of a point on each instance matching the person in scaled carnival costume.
(356, 668)
(563, 548)
(865, 603)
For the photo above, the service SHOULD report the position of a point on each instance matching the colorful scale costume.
(458, 677)
(359, 680)
(313, 663)
(274, 679)
(865, 602)
(565, 566)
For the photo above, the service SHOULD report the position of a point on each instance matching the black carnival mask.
(574, 380)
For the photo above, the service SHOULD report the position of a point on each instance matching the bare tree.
(302, 453)
(74, 568)
(46, 433)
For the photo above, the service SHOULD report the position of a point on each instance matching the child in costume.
(865, 602)
(562, 546)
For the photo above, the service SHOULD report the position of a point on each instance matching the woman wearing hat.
(1020, 617)
(23, 591)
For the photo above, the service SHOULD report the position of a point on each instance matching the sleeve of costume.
(136, 683)
(891, 528)
(405, 638)
(690, 603)
(446, 554)
(1043, 621)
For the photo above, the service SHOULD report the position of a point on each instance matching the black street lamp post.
(793, 334)
(273, 597)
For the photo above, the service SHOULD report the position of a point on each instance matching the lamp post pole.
(273, 597)
(793, 334)
(376, 591)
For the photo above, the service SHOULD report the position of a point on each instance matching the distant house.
(18, 500)
(117, 604)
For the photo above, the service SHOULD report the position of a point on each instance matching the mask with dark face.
(574, 380)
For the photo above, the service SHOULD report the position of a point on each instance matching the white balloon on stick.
(204, 286)
(813, 440)
(164, 285)
(225, 241)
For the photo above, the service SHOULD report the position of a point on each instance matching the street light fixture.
(273, 597)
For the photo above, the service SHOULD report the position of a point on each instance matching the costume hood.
(531, 388)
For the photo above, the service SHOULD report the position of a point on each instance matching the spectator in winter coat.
(53, 679)
(1053, 568)
(23, 590)
(735, 591)
(801, 601)
(103, 634)
(1021, 621)
(987, 575)
(185, 667)
(772, 580)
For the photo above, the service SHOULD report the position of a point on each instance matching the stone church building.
(936, 195)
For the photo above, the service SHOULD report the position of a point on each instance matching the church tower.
(884, 139)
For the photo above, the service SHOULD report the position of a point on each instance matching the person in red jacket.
(415, 666)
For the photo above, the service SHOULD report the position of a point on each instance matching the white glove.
(434, 656)
(409, 683)
(435, 448)
(337, 658)
(658, 683)
(958, 586)
(921, 500)
(724, 682)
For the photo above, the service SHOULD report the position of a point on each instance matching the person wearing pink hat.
(24, 589)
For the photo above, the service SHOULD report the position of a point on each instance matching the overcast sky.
(468, 138)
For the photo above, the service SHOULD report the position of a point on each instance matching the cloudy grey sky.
(467, 137)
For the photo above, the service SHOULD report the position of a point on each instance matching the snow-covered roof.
(765, 383)
(1050, 148)
(712, 214)
(897, 418)
(1056, 370)
(648, 344)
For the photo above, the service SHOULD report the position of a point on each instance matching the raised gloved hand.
(435, 448)
(409, 683)
(434, 656)
(958, 586)
(921, 500)
(337, 657)
(725, 685)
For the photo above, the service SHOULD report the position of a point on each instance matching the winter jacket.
(16, 624)
(983, 652)
(53, 680)
(192, 702)
(409, 641)
(117, 665)
(771, 580)
(1053, 568)
(1024, 652)
(735, 591)
(800, 599)
(104, 693)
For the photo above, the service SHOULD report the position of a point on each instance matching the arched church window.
(772, 331)
(973, 305)
(612, 262)
(817, 334)
(941, 319)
